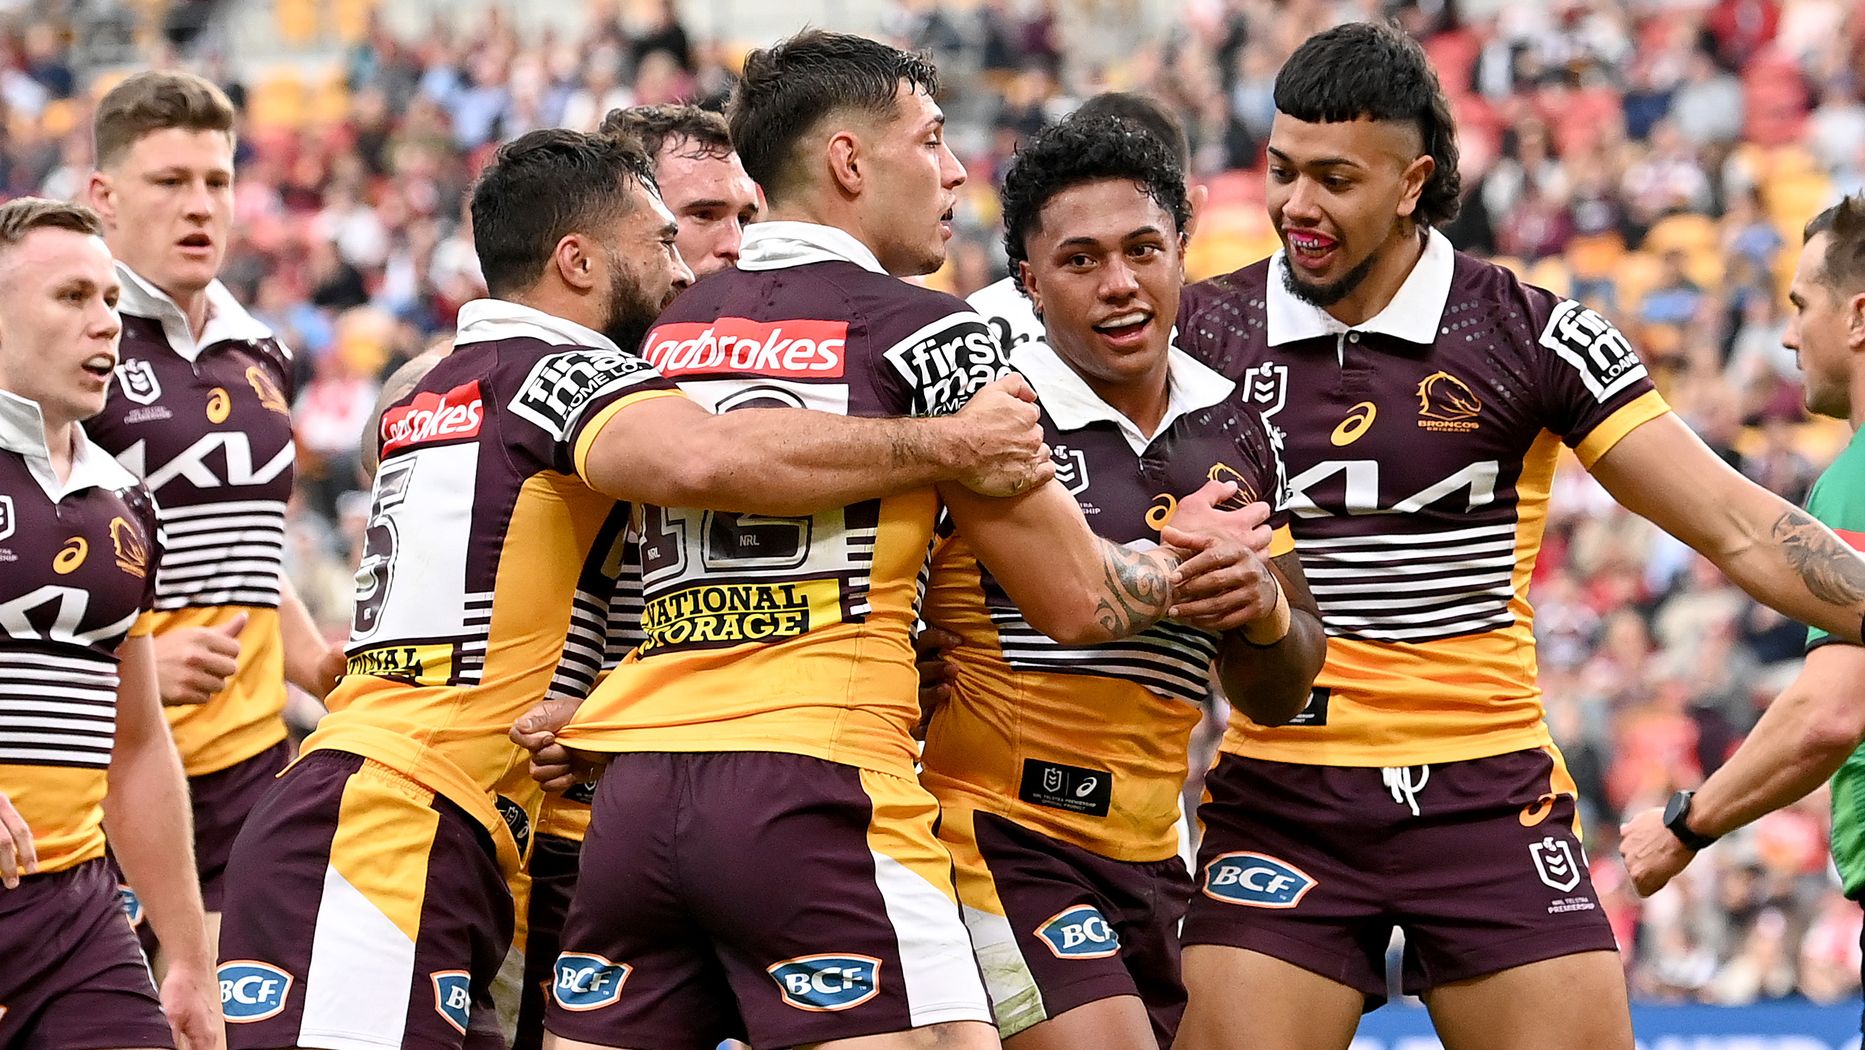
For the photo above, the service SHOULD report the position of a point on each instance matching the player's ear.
(1855, 321)
(1413, 181)
(575, 262)
(845, 160)
(1196, 197)
(100, 194)
(1027, 278)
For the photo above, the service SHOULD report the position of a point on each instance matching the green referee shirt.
(1838, 500)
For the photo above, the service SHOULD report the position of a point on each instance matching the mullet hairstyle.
(1081, 150)
(791, 87)
(540, 188)
(1374, 70)
(1842, 265)
(153, 101)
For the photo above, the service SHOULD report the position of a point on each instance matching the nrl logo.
(6, 517)
(1071, 468)
(138, 381)
(1555, 863)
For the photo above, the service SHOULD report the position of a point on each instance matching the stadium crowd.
(1655, 159)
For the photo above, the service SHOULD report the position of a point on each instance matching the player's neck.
(1856, 417)
(559, 301)
(193, 304)
(1382, 282)
(823, 213)
(1143, 403)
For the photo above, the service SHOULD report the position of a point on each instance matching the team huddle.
(860, 721)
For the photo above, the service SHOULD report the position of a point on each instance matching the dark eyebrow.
(1318, 162)
(1799, 303)
(710, 202)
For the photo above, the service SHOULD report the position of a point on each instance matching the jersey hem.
(1373, 756)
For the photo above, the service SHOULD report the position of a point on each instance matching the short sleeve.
(1596, 390)
(934, 366)
(1838, 502)
(148, 518)
(567, 397)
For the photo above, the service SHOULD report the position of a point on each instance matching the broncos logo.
(1445, 397)
(1246, 492)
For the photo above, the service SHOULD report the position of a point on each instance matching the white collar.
(22, 430)
(783, 243)
(1073, 404)
(1412, 315)
(486, 320)
(227, 320)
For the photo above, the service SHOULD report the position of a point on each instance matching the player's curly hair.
(684, 126)
(544, 186)
(1374, 70)
(1842, 265)
(1080, 150)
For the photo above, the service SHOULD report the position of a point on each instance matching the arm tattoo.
(1833, 571)
(1136, 590)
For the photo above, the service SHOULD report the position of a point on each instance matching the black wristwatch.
(1677, 819)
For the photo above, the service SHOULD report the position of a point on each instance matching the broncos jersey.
(1420, 448)
(792, 634)
(488, 563)
(1088, 744)
(77, 575)
(207, 425)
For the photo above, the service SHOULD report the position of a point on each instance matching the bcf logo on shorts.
(1081, 932)
(132, 904)
(588, 982)
(828, 982)
(453, 997)
(1256, 880)
(252, 991)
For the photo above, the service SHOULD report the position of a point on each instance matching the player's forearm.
(1788, 560)
(1272, 683)
(303, 643)
(790, 461)
(1799, 743)
(151, 833)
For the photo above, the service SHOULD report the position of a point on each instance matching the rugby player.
(702, 181)
(704, 185)
(1421, 398)
(1058, 769)
(82, 743)
(201, 411)
(1812, 730)
(370, 885)
(1003, 302)
(770, 867)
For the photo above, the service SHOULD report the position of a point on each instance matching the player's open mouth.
(100, 365)
(196, 242)
(1309, 249)
(945, 224)
(1125, 329)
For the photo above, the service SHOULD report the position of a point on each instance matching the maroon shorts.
(1315, 865)
(1057, 927)
(71, 976)
(362, 911)
(220, 801)
(774, 896)
(553, 867)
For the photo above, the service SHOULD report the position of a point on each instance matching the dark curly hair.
(1080, 150)
(1374, 70)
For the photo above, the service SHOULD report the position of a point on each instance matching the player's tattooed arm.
(1136, 588)
(1780, 555)
(1833, 571)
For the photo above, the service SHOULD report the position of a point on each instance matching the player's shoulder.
(1243, 287)
(1838, 496)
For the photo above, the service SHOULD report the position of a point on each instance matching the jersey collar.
(227, 320)
(487, 320)
(22, 431)
(1073, 404)
(1412, 315)
(784, 243)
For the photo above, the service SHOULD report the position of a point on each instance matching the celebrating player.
(1813, 729)
(1058, 769)
(82, 742)
(702, 181)
(764, 726)
(371, 881)
(202, 413)
(1421, 397)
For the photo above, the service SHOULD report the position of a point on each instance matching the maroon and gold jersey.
(207, 425)
(1420, 448)
(792, 634)
(1088, 744)
(77, 575)
(488, 563)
